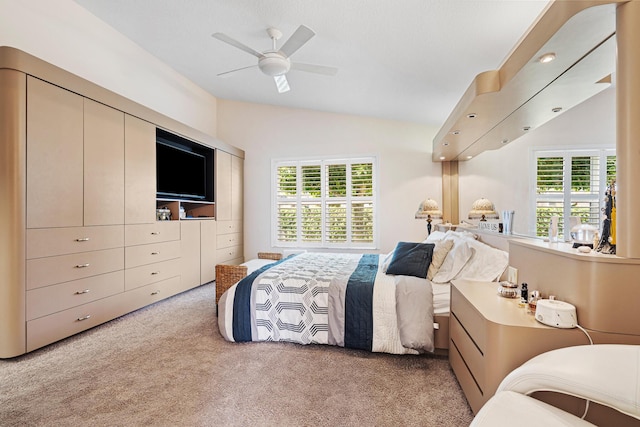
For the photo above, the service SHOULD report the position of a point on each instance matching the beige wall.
(502, 176)
(67, 35)
(406, 173)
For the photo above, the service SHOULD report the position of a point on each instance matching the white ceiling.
(405, 60)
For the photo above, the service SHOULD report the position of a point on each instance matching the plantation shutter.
(325, 203)
(571, 184)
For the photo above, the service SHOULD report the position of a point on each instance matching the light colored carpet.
(167, 365)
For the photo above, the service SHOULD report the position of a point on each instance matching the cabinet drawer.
(48, 329)
(54, 298)
(227, 254)
(471, 390)
(64, 268)
(44, 242)
(145, 295)
(468, 350)
(226, 227)
(159, 231)
(152, 253)
(151, 273)
(469, 318)
(228, 240)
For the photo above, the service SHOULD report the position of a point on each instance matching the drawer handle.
(155, 233)
(82, 239)
(155, 253)
(153, 273)
(82, 265)
(80, 319)
(86, 291)
(155, 292)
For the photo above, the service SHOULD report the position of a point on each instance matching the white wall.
(502, 176)
(65, 34)
(406, 174)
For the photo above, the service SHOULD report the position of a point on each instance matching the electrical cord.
(586, 408)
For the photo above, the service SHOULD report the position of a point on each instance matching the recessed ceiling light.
(556, 109)
(547, 57)
(526, 128)
(504, 141)
(472, 115)
(445, 143)
(455, 132)
(469, 157)
(442, 157)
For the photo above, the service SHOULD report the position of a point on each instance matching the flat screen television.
(184, 169)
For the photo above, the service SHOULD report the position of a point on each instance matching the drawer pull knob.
(155, 233)
(85, 291)
(80, 319)
(155, 253)
(82, 239)
(82, 265)
(153, 273)
(155, 292)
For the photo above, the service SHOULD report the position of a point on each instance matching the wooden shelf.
(193, 209)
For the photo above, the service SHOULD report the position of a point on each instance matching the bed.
(393, 303)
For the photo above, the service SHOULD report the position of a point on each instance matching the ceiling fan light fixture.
(273, 64)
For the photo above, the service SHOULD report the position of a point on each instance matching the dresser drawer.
(54, 298)
(152, 253)
(148, 294)
(469, 317)
(226, 227)
(227, 254)
(228, 240)
(159, 231)
(468, 351)
(44, 242)
(151, 273)
(64, 268)
(472, 392)
(48, 329)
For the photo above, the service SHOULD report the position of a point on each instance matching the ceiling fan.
(276, 62)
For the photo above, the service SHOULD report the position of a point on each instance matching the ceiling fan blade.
(300, 37)
(233, 71)
(233, 42)
(281, 83)
(318, 69)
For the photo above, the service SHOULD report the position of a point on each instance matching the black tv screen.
(183, 173)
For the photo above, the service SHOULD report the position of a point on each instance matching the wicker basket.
(270, 255)
(227, 276)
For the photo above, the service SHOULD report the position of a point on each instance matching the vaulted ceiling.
(405, 60)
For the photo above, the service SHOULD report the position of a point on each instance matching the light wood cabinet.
(223, 185)
(140, 171)
(79, 240)
(54, 156)
(490, 336)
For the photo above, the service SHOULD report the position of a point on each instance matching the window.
(571, 183)
(324, 203)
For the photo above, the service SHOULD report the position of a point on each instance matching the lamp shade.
(483, 209)
(429, 209)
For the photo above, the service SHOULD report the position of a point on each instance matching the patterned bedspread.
(324, 298)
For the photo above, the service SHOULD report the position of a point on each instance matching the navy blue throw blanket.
(242, 304)
(358, 322)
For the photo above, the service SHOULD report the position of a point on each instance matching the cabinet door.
(207, 251)
(190, 253)
(140, 171)
(103, 164)
(237, 184)
(54, 156)
(223, 185)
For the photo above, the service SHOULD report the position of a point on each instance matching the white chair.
(608, 374)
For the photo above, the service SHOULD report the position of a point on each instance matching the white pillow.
(434, 237)
(440, 252)
(487, 263)
(457, 257)
(386, 261)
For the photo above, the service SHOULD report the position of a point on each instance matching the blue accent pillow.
(411, 259)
